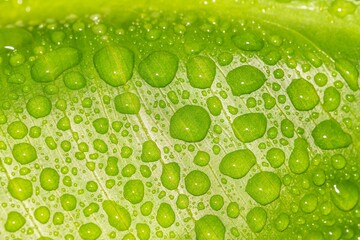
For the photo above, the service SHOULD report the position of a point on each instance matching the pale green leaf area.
(179, 120)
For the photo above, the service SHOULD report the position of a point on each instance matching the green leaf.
(179, 119)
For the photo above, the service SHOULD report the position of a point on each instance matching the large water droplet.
(190, 123)
(114, 65)
(264, 187)
(245, 79)
(237, 164)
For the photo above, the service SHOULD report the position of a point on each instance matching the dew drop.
(118, 216)
(190, 123)
(39, 106)
(201, 72)
(159, 68)
(237, 164)
(24, 153)
(248, 41)
(345, 195)
(170, 176)
(165, 215)
(114, 64)
(256, 219)
(249, 127)
(150, 152)
(51, 65)
(14, 221)
(210, 227)
(329, 135)
(302, 95)
(299, 160)
(89, 231)
(17, 130)
(49, 179)
(245, 79)
(197, 183)
(20, 188)
(134, 191)
(127, 103)
(264, 187)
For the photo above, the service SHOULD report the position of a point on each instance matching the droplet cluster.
(185, 127)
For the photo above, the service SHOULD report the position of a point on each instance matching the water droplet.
(308, 203)
(264, 187)
(249, 127)
(92, 186)
(90, 209)
(100, 146)
(197, 183)
(146, 208)
(114, 65)
(190, 123)
(90, 231)
(331, 99)
(150, 152)
(159, 68)
(349, 72)
(20, 188)
(320, 79)
(118, 216)
(256, 219)
(269, 101)
(14, 221)
(345, 195)
(39, 106)
(17, 130)
(225, 58)
(237, 164)
(63, 124)
(111, 167)
(210, 227)
(134, 191)
(127, 103)
(216, 202)
(329, 135)
(276, 157)
(58, 218)
(42, 214)
(287, 128)
(245, 79)
(341, 8)
(338, 161)
(214, 105)
(170, 176)
(101, 125)
(49, 179)
(302, 95)
(233, 210)
(182, 201)
(143, 231)
(51, 65)
(299, 160)
(202, 158)
(201, 72)
(248, 41)
(165, 215)
(24, 153)
(68, 202)
(74, 80)
(128, 170)
(271, 57)
(282, 222)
